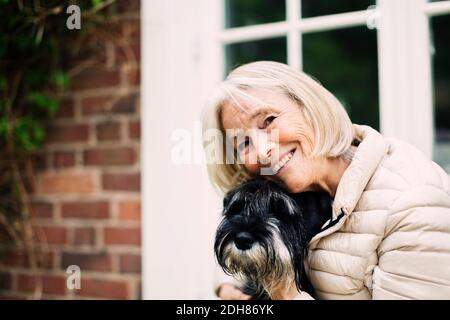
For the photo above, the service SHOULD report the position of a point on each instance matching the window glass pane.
(345, 62)
(441, 70)
(240, 13)
(313, 8)
(268, 49)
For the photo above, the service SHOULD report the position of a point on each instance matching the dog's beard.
(268, 264)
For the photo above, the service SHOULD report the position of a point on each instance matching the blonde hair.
(327, 117)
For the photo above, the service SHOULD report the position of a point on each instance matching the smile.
(280, 164)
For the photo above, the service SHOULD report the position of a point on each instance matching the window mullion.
(294, 38)
(405, 72)
(334, 21)
(437, 8)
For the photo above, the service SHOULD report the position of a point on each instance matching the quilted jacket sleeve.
(414, 256)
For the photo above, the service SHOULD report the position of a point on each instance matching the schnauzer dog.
(264, 233)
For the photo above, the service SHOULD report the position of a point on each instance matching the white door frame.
(179, 207)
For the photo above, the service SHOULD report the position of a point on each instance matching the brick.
(134, 30)
(84, 236)
(134, 129)
(108, 131)
(68, 133)
(122, 236)
(21, 259)
(87, 261)
(63, 159)
(115, 28)
(112, 289)
(130, 263)
(14, 259)
(46, 260)
(130, 210)
(54, 285)
(95, 105)
(59, 183)
(50, 284)
(42, 209)
(121, 182)
(94, 50)
(123, 6)
(54, 235)
(128, 53)
(133, 76)
(66, 109)
(110, 156)
(126, 104)
(109, 104)
(26, 282)
(85, 210)
(94, 79)
(5, 281)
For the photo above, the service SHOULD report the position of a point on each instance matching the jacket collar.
(355, 178)
(364, 163)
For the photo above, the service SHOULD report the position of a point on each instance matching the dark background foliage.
(36, 51)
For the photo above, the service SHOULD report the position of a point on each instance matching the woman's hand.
(290, 293)
(230, 292)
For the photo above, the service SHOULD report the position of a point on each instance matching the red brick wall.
(87, 198)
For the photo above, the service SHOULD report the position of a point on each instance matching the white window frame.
(183, 58)
(404, 55)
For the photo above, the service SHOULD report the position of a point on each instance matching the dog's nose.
(244, 240)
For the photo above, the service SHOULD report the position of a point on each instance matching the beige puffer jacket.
(391, 232)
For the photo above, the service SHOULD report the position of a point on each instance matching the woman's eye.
(244, 144)
(268, 121)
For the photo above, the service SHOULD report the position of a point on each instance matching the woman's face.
(276, 139)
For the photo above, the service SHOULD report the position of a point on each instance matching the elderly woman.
(389, 237)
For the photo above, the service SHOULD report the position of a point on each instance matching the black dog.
(263, 237)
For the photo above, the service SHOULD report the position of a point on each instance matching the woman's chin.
(294, 187)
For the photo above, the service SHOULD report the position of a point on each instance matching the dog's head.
(263, 235)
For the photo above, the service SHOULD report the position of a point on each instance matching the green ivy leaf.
(61, 79)
(4, 127)
(36, 77)
(96, 3)
(3, 83)
(26, 42)
(29, 133)
(43, 101)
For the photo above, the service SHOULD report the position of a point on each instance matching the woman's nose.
(263, 149)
